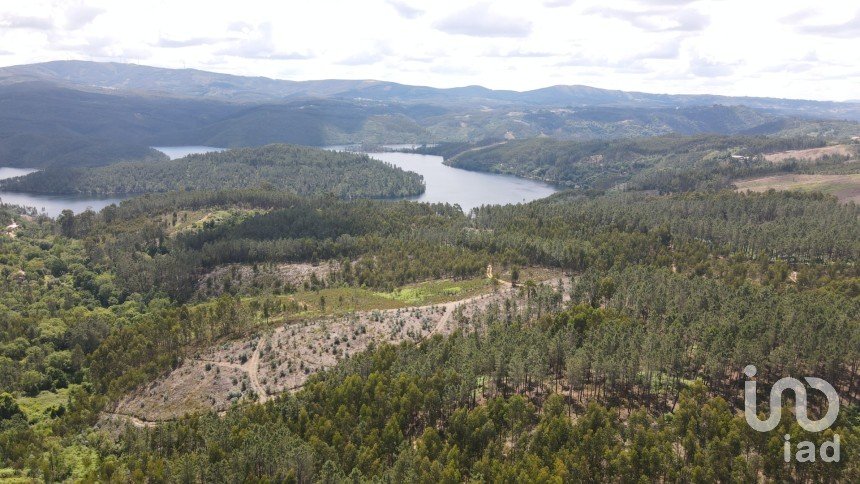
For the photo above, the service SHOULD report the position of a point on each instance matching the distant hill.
(74, 114)
(196, 83)
(665, 163)
(42, 124)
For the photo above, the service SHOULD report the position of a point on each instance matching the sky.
(774, 48)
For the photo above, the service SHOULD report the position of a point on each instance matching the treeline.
(726, 234)
(566, 228)
(301, 170)
(664, 163)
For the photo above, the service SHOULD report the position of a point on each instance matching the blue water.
(50, 205)
(444, 184)
(175, 152)
(469, 189)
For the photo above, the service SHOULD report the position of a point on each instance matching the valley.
(376, 282)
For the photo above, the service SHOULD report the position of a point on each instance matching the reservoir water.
(52, 205)
(175, 152)
(469, 189)
(444, 184)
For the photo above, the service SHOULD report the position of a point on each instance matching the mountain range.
(88, 113)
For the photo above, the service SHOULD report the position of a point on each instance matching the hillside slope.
(196, 83)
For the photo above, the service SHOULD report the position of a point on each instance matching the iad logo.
(829, 451)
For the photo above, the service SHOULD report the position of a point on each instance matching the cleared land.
(845, 187)
(813, 154)
(282, 358)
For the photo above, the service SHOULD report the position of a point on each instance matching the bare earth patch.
(283, 358)
(265, 275)
(812, 154)
(845, 187)
(193, 387)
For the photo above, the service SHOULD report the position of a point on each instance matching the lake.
(175, 152)
(52, 205)
(444, 184)
(469, 189)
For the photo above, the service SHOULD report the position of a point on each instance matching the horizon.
(785, 51)
(846, 101)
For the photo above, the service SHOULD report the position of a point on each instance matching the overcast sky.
(781, 48)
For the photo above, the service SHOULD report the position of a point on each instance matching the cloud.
(362, 59)
(102, 47)
(676, 3)
(849, 29)
(192, 42)
(690, 21)
(657, 19)
(9, 21)
(795, 17)
(792, 67)
(240, 27)
(702, 67)
(668, 50)
(260, 45)
(405, 10)
(454, 69)
(367, 55)
(479, 21)
(518, 53)
(558, 3)
(77, 17)
(579, 60)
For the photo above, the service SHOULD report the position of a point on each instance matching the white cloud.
(558, 3)
(190, 42)
(480, 20)
(13, 21)
(657, 19)
(709, 68)
(849, 29)
(79, 16)
(405, 10)
(258, 45)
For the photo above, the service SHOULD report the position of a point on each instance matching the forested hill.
(666, 163)
(633, 376)
(94, 114)
(211, 85)
(297, 169)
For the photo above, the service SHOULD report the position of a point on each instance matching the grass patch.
(11, 476)
(343, 299)
(347, 299)
(38, 408)
(436, 292)
(194, 220)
